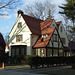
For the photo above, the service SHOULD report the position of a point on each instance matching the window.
(55, 37)
(60, 52)
(19, 38)
(63, 40)
(44, 37)
(61, 29)
(19, 25)
(55, 53)
(53, 25)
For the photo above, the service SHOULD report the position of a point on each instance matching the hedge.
(35, 61)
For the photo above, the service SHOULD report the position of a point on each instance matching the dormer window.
(44, 37)
(19, 25)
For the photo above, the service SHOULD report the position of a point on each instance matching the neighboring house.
(31, 36)
(7, 48)
(72, 46)
(2, 45)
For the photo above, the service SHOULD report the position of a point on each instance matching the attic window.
(19, 25)
(55, 37)
(61, 29)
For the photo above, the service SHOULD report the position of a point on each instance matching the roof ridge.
(32, 17)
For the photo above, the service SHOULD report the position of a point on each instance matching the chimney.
(20, 12)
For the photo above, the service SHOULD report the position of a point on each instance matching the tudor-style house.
(31, 36)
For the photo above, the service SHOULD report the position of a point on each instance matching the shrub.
(34, 61)
(73, 66)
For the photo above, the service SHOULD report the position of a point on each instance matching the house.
(72, 46)
(2, 45)
(31, 36)
(7, 48)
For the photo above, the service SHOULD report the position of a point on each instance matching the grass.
(9, 66)
(60, 72)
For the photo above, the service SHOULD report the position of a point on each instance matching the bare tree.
(6, 37)
(40, 10)
(8, 4)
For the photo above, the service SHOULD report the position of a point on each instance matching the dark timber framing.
(59, 41)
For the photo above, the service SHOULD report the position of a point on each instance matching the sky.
(7, 22)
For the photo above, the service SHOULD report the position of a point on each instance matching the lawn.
(14, 66)
(60, 72)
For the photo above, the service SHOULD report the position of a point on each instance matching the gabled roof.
(58, 23)
(72, 45)
(39, 43)
(48, 30)
(33, 24)
(36, 25)
(46, 24)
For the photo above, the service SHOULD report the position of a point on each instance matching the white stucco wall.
(24, 31)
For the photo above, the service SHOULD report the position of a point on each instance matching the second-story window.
(19, 25)
(19, 38)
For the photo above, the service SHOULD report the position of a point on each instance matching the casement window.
(19, 25)
(61, 29)
(63, 40)
(19, 38)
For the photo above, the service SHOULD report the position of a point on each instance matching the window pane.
(17, 51)
(55, 52)
(60, 52)
(22, 51)
(49, 52)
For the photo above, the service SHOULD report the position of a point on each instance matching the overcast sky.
(7, 22)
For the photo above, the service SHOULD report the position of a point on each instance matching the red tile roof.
(33, 24)
(47, 30)
(39, 27)
(36, 25)
(40, 44)
(46, 23)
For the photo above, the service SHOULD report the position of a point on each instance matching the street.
(18, 71)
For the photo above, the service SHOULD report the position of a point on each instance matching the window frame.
(19, 25)
(19, 36)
